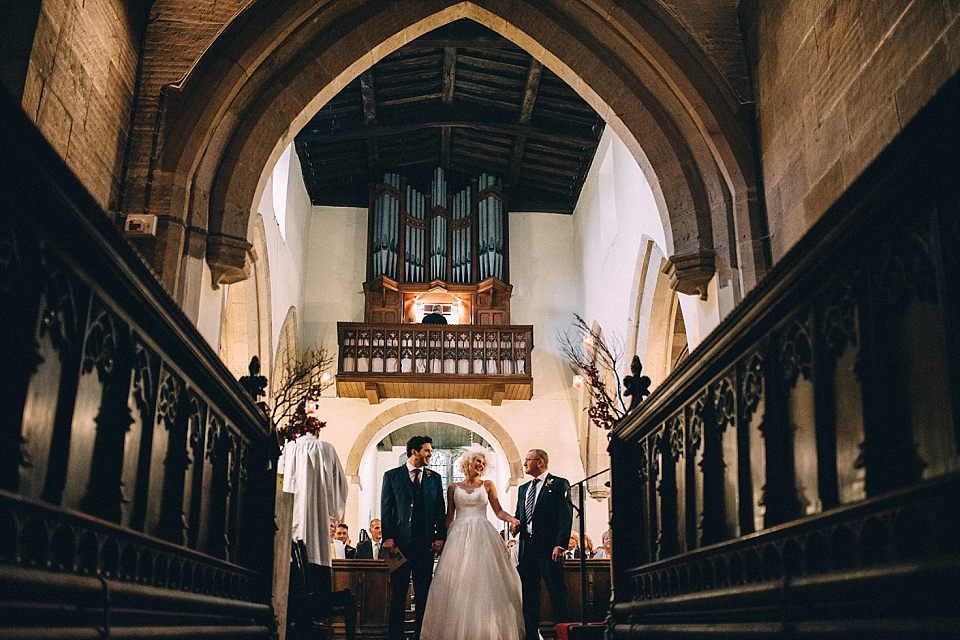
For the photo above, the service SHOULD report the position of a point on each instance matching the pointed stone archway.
(279, 61)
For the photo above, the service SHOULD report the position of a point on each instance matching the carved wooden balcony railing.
(434, 361)
(797, 476)
(136, 475)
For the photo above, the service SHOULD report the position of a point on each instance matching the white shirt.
(313, 474)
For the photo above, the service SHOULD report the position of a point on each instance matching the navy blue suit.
(552, 520)
(413, 520)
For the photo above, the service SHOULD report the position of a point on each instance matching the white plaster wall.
(335, 269)
(286, 253)
(616, 208)
(283, 263)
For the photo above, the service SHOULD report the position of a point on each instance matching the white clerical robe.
(313, 474)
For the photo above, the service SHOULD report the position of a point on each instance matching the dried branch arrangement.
(597, 361)
(302, 379)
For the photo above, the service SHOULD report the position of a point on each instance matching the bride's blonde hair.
(466, 461)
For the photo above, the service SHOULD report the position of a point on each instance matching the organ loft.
(437, 297)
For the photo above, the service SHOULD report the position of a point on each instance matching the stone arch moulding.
(279, 61)
(472, 414)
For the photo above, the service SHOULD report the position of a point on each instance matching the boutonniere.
(549, 482)
(427, 473)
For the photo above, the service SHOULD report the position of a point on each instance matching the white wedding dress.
(475, 593)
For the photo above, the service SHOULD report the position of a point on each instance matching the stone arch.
(278, 62)
(463, 409)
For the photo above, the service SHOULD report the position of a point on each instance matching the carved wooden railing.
(797, 476)
(422, 359)
(136, 490)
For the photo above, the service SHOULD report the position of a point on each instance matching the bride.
(475, 594)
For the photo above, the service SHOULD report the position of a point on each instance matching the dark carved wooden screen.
(136, 476)
(799, 474)
(458, 238)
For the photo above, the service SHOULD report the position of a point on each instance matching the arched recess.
(279, 61)
(471, 413)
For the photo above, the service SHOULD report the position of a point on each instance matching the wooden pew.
(369, 580)
(597, 600)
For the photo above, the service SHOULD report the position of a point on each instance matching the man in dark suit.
(414, 521)
(546, 516)
(371, 548)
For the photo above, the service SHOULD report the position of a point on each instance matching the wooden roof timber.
(461, 97)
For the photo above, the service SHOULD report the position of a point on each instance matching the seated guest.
(371, 548)
(605, 547)
(336, 543)
(573, 547)
(343, 535)
(588, 546)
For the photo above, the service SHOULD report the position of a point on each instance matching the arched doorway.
(453, 421)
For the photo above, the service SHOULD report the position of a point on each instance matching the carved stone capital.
(227, 259)
(691, 273)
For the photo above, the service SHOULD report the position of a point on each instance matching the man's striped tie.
(531, 498)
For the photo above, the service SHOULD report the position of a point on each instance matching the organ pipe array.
(459, 238)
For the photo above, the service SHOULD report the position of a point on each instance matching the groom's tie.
(531, 499)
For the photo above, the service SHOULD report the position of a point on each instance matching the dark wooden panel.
(801, 469)
(369, 581)
(136, 475)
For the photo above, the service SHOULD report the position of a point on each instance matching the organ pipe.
(408, 245)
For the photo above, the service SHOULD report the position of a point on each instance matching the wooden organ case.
(438, 246)
(437, 299)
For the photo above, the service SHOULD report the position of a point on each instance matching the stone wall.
(835, 81)
(178, 33)
(80, 85)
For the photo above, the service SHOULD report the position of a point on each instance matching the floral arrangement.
(300, 423)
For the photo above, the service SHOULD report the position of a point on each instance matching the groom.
(546, 516)
(413, 519)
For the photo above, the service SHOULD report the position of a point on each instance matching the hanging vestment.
(313, 474)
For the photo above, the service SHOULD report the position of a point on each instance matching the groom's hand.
(388, 546)
(558, 554)
(438, 546)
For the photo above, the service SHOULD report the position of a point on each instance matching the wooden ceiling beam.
(526, 111)
(491, 65)
(571, 135)
(449, 74)
(369, 95)
(445, 148)
(531, 90)
(479, 43)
